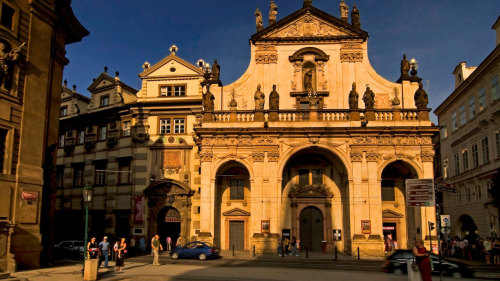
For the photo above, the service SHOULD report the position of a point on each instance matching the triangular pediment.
(104, 80)
(236, 212)
(310, 191)
(391, 214)
(310, 23)
(171, 65)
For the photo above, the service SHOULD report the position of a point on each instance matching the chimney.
(461, 72)
(496, 27)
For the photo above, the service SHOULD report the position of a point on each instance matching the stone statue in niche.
(260, 99)
(421, 98)
(369, 98)
(308, 83)
(353, 98)
(274, 99)
(258, 20)
(405, 67)
(7, 59)
(208, 100)
(273, 12)
(215, 71)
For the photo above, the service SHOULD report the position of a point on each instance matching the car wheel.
(202, 257)
(398, 271)
(456, 274)
(174, 255)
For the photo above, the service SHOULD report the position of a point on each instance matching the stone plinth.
(208, 116)
(354, 116)
(206, 237)
(259, 116)
(273, 116)
(90, 272)
(265, 243)
(423, 115)
(370, 115)
(371, 247)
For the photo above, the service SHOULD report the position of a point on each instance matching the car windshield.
(78, 244)
(403, 255)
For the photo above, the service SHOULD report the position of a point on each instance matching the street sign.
(445, 220)
(445, 230)
(420, 193)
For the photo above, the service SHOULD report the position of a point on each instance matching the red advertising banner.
(139, 209)
(28, 195)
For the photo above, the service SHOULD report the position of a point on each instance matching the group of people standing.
(102, 251)
(287, 247)
(473, 248)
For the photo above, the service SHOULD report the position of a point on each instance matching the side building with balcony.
(470, 146)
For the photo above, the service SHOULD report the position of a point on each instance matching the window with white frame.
(485, 150)
(179, 125)
(126, 129)
(462, 115)
(81, 136)
(102, 133)
(481, 99)
(457, 164)
(61, 140)
(475, 156)
(173, 90)
(494, 88)
(100, 173)
(465, 159)
(105, 100)
(472, 107)
(64, 111)
(165, 126)
(454, 123)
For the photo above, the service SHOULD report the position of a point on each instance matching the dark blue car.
(197, 249)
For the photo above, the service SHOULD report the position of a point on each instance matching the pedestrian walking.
(115, 250)
(104, 252)
(142, 245)
(92, 249)
(169, 243)
(132, 248)
(178, 244)
(280, 247)
(156, 247)
(423, 260)
(122, 250)
(495, 251)
(293, 243)
(286, 245)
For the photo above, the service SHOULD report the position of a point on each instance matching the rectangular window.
(64, 111)
(467, 195)
(472, 107)
(100, 173)
(444, 132)
(7, 16)
(78, 175)
(475, 156)
(457, 164)
(317, 176)
(485, 150)
(494, 88)
(179, 91)
(179, 127)
(477, 193)
(173, 91)
(165, 126)
(465, 159)
(124, 171)
(126, 128)
(497, 143)
(102, 133)
(462, 115)
(388, 193)
(61, 140)
(3, 141)
(454, 121)
(105, 100)
(303, 176)
(81, 136)
(237, 189)
(60, 176)
(481, 99)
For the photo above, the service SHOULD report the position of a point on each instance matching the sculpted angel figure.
(260, 99)
(6, 60)
(258, 20)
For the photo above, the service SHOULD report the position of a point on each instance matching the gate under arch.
(311, 229)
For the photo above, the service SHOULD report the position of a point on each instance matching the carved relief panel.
(266, 54)
(351, 52)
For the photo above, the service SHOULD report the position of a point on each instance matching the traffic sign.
(420, 193)
(445, 220)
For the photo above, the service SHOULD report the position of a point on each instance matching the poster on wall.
(366, 227)
(265, 226)
(139, 209)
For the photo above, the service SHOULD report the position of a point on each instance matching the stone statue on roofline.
(208, 100)
(405, 68)
(215, 71)
(260, 99)
(421, 98)
(369, 99)
(273, 12)
(344, 10)
(353, 98)
(258, 20)
(274, 99)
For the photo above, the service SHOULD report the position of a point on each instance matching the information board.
(420, 193)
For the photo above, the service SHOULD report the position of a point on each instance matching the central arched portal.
(169, 224)
(311, 229)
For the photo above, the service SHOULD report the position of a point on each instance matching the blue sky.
(126, 33)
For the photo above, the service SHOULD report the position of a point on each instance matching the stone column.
(376, 247)
(428, 214)
(207, 204)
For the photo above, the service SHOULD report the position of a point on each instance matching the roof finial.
(105, 69)
(117, 76)
(308, 3)
(344, 11)
(66, 83)
(173, 49)
(74, 88)
(355, 17)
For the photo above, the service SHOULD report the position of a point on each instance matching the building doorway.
(237, 235)
(169, 225)
(311, 229)
(390, 236)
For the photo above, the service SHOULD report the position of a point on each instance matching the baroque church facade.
(310, 142)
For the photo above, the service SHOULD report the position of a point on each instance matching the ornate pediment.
(391, 214)
(236, 212)
(310, 191)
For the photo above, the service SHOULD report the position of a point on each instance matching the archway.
(311, 229)
(316, 177)
(467, 227)
(398, 221)
(232, 207)
(169, 225)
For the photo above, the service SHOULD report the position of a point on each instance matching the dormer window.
(64, 111)
(104, 100)
(173, 91)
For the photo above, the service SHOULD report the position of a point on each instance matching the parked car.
(396, 263)
(69, 249)
(197, 249)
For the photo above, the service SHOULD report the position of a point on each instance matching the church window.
(462, 115)
(481, 99)
(308, 176)
(7, 16)
(303, 176)
(495, 91)
(472, 107)
(317, 176)
(388, 193)
(237, 189)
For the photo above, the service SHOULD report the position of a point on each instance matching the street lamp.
(87, 199)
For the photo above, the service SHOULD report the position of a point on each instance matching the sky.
(126, 33)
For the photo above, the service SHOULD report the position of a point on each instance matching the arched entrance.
(467, 227)
(311, 229)
(315, 199)
(233, 206)
(398, 221)
(169, 225)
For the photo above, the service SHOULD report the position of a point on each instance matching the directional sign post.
(420, 193)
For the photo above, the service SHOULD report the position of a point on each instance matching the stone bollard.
(90, 271)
